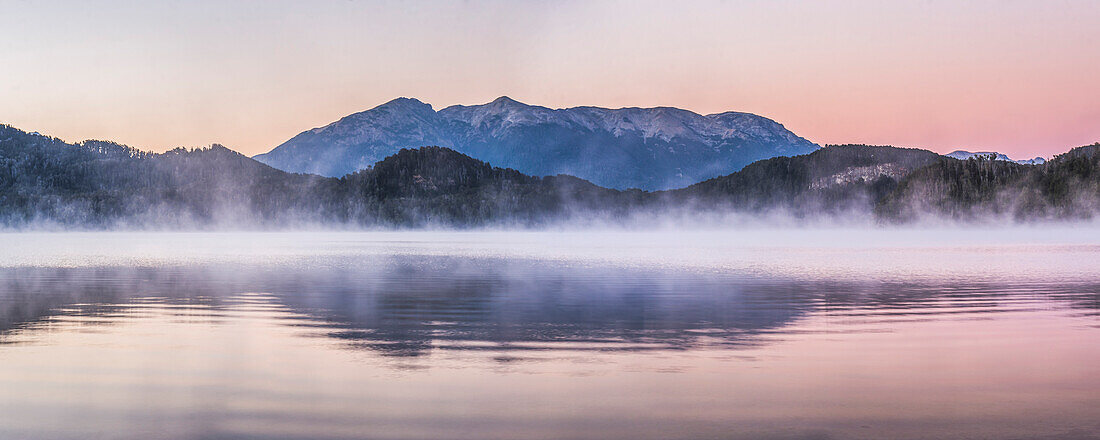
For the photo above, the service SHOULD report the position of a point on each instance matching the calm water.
(754, 334)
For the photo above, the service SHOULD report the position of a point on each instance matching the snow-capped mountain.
(648, 148)
(964, 155)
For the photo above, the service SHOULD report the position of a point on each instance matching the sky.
(1022, 78)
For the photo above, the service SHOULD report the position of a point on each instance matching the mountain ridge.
(648, 148)
(104, 185)
(963, 155)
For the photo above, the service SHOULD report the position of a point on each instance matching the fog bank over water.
(1017, 253)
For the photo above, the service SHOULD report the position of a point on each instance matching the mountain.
(45, 182)
(964, 155)
(647, 148)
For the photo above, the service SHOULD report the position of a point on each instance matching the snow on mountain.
(964, 155)
(649, 148)
(1033, 161)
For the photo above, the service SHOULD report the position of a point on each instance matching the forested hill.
(102, 184)
(434, 186)
(983, 189)
(45, 182)
(835, 181)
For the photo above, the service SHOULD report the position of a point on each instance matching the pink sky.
(1022, 78)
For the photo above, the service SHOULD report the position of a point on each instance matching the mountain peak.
(504, 104)
(406, 103)
(504, 100)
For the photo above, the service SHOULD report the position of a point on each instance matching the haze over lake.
(755, 333)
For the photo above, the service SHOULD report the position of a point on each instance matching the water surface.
(751, 334)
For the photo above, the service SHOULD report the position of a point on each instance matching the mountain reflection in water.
(442, 347)
(408, 308)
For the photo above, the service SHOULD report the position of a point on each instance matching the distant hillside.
(982, 189)
(835, 180)
(103, 184)
(648, 148)
(45, 182)
(93, 184)
(435, 186)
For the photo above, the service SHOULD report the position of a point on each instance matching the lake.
(750, 334)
